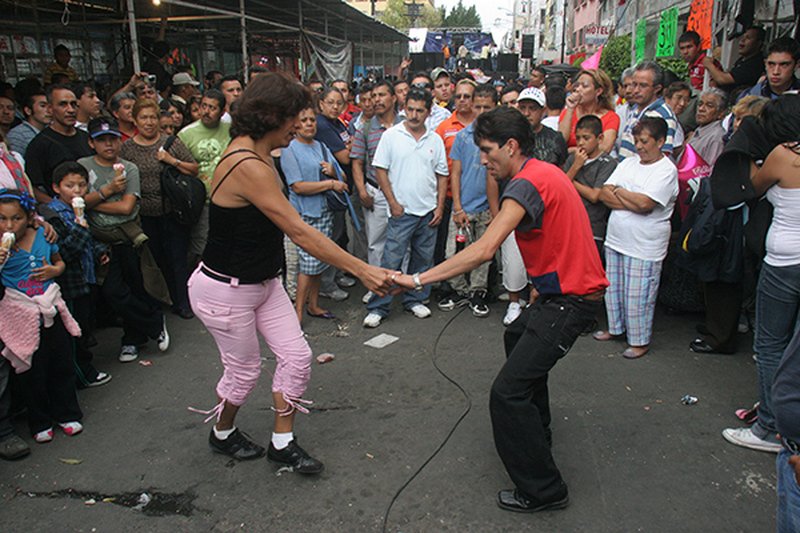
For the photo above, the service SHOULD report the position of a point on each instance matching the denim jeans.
(777, 318)
(519, 402)
(788, 513)
(403, 231)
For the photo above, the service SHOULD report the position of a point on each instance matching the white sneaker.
(420, 311)
(747, 439)
(372, 320)
(367, 297)
(163, 337)
(128, 353)
(512, 313)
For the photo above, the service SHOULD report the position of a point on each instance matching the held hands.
(378, 280)
(47, 271)
(338, 186)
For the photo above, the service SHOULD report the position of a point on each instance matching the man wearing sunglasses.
(438, 114)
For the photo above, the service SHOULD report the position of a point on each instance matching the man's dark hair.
(60, 48)
(504, 123)
(655, 126)
(590, 123)
(483, 90)
(267, 104)
(340, 80)
(229, 77)
(216, 94)
(540, 69)
(510, 88)
(25, 89)
(675, 87)
(69, 167)
(761, 33)
(420, 95)
(655, 68)
(365, 87)
(55, 87)
(28, 99)
(556, 97)
(690, 36)
(257, 70)
(80, 87)
(383, 82)
(211, 74)
(423, 74)
(784, 45)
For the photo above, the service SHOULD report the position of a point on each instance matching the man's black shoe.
(296, 457)
(701, 346)
(238, 445)
(514, 500)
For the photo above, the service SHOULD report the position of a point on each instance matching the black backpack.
(187, 194)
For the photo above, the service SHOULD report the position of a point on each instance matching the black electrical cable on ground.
(434, 355)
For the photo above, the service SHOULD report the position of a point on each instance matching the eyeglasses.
(422, 85)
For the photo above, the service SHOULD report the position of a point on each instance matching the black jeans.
(519, 403)
(442, 229)
(124, 291)
(169, 244)
(49, 385)
(6, 426)
(82, 309)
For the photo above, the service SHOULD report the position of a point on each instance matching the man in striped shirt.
(646, 100)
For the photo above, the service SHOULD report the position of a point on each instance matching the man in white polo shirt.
(411, 169)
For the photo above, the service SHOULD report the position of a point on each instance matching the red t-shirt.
(610, 121)
(697, 72)
(555, 237)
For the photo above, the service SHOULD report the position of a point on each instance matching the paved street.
(634, 457)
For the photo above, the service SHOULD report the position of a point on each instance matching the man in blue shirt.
(471, 214)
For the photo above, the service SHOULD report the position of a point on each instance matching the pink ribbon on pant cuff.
(214, 412)
(292, 403)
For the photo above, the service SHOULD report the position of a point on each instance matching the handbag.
(337, 201)
(187, 194)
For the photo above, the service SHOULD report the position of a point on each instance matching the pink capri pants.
(234, 314)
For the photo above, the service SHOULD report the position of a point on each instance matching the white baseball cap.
(532, 93)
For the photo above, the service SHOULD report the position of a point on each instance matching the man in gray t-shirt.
(102, 173)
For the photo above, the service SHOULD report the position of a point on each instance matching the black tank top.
(242, 242)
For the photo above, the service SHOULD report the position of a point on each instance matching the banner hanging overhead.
(324, 60)
(641, 39)
(700, 19)
(667, 33)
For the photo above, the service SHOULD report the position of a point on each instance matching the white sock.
(224, 433)
(282, 440)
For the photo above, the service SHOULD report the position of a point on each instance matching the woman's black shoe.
(238, 445)
(296, 457)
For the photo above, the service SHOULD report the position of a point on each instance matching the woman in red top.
(592, 94)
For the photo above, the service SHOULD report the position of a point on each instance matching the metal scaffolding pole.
(245, 59)
(137, 67)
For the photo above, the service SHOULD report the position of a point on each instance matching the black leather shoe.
(296, 457)
(185, 314)
(238, 445)
(514, 500)
(701, 346)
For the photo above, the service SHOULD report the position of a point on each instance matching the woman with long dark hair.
(236, 291)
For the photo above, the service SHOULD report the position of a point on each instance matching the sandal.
(601, 335)
(327, 315)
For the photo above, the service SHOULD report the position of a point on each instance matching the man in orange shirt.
(447, 130)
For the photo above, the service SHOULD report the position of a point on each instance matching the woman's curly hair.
(267, 103)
